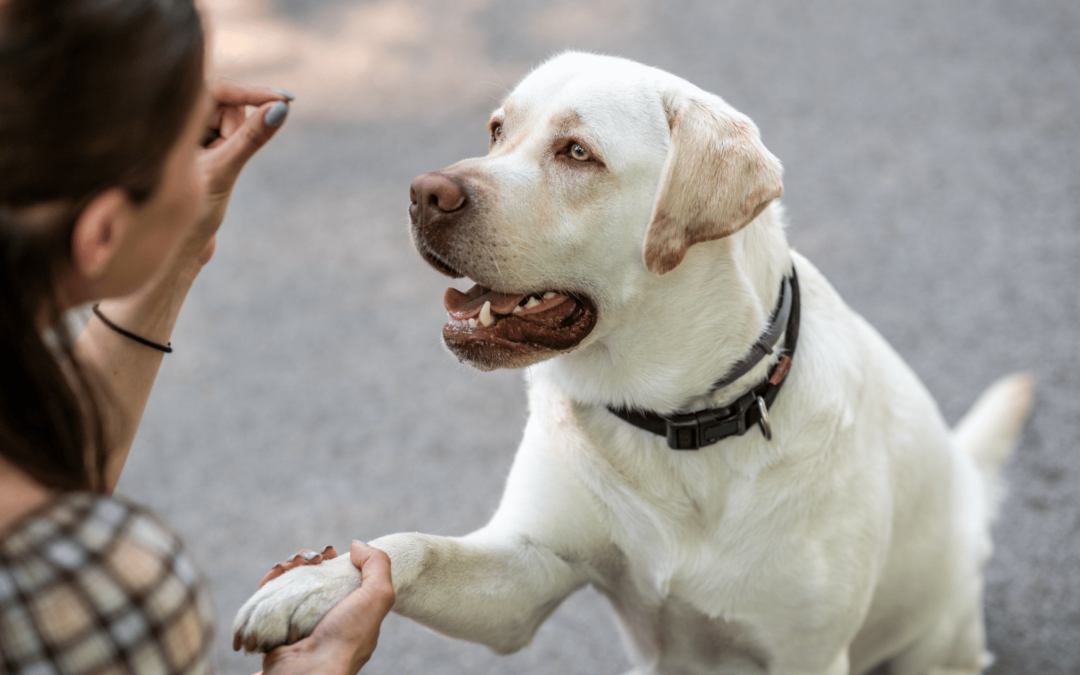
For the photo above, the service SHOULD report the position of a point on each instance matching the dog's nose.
(435, 193)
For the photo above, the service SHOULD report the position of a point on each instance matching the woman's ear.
(98, 234)
(717, 178)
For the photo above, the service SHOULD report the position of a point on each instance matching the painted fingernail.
(282, 92)
(308, 555)
(276, 115)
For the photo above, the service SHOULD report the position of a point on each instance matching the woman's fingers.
(231, 119)
(302, 557)
(229, 93)
(230, 102)
(234, 135)
(227, 155)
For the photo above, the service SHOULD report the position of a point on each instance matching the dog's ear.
(718, 176)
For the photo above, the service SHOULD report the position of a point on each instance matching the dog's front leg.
(495, 590)
(494, 586)
(487, 587)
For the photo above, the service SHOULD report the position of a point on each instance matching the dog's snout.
(435, 193)
(440, 202)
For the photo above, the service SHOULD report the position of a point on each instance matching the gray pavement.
(932, 156)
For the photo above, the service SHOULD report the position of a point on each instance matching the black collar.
(691, 431)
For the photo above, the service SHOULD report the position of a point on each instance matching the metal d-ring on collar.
(694, 430)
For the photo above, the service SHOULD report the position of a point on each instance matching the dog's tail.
(990, 430)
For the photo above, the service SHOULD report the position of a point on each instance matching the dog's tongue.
(467, 305)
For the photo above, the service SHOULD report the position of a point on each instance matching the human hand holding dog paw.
(321, 597)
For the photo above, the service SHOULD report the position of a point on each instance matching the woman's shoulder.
(92, 520)
(90, 580)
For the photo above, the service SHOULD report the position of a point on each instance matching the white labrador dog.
(628, 249)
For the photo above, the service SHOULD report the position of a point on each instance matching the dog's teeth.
(485, 315)
(516, 310)
(549, 295)
(533, 302)
(472, 323)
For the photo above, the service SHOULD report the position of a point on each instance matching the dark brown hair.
(93, 95)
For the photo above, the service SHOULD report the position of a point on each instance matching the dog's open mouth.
(497, 330)
(507, 329)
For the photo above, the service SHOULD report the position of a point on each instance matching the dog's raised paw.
(288, 608)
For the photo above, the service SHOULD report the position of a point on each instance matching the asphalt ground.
(931, 172)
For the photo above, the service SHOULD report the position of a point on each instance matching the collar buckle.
(693, 431)
(684, 432)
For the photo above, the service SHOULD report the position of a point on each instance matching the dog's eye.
(496, 133)
(579, 153)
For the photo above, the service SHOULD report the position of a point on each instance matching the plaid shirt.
(95, 585)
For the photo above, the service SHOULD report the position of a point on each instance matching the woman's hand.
(233, 137)
(346, 637)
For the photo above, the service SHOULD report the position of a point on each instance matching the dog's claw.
(305, 557)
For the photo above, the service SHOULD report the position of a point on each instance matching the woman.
(112, 189)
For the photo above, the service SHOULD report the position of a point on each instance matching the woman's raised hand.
(234, 135)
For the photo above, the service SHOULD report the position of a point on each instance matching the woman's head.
(101, 102)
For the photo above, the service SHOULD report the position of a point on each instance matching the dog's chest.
(678, 545)
(682, 520)
(682, 571)
(658, 603)
(674, 637)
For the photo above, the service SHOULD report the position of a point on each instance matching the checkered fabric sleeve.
(95, 585)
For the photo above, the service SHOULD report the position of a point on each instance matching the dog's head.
(600, 173)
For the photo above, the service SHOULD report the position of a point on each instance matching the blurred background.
(932, 172)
